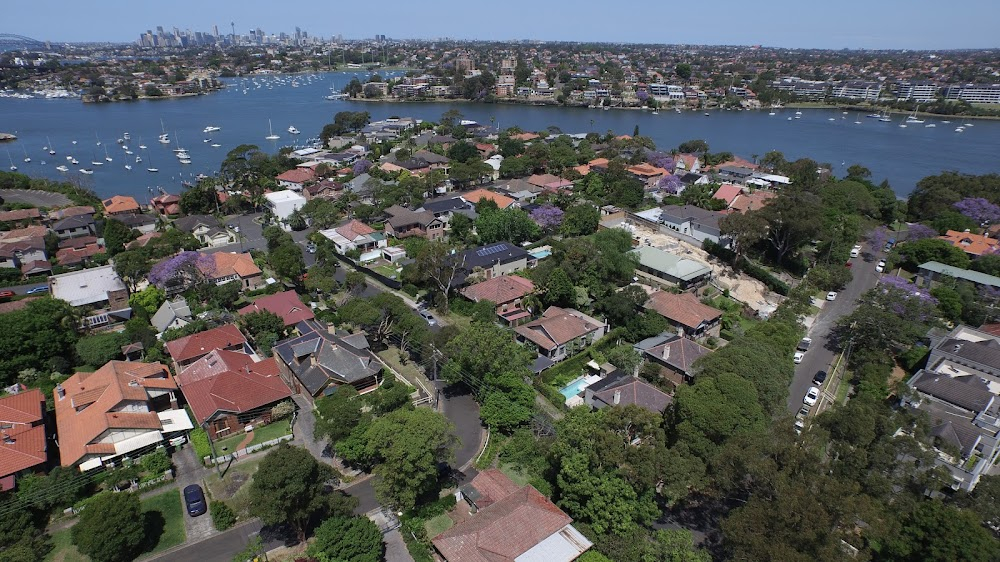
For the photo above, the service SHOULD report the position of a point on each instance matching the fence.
(248, 450)
(391, 283)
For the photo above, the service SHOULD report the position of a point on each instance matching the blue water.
(541, 255)
(902, 156)
(574, 388)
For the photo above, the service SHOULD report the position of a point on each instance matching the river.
(901, 155)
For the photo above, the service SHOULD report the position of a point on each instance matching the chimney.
(618, 397)
(60, 391)
(666, 352)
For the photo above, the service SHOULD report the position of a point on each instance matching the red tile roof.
(752, 201)
(683, 308)
(227, 381)
(19, 214)
(120, 204)
(287, 305)
(492, 486)
(556, 327)
(499, 290)
(975, 244)
(354, 229)
(224, 264)
(478, 195)
(728, 192)
(297, 175)
(202, 343)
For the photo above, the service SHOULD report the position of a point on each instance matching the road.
(219, 548)
(820, 356)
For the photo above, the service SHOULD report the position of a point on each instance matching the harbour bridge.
(13, 42)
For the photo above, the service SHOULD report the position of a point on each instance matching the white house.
(283, 203)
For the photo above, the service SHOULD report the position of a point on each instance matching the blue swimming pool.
(574, 388)
(541, 254)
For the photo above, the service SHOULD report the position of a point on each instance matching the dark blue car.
(194, 500)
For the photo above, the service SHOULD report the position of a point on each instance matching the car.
(880, 267)
(38, 289)
(797, 358)
(194, 500)
(799, 425)
(855, 251)
(803, 411)
(848, 264)
(812, 395)
(831, 296)
(6, 294)
(819, 377)
(311, 248)
(804, 344)
(428, 317)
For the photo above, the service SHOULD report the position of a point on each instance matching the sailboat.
(13, 168)
(271, 136)
(98, 139)
(26, 157)
(106, 157)
(858, 120)
(95, 161)
(913, 117)
(164, 137)
(885, 117)
(902, 124)
(52, 151)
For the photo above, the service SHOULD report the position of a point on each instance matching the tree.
(463, 151)
(683, 71)
(506, 225)
(938, 532)
(461, 227)
(183, 269)
(42, 334)
(348, 539)
(696, 146)
(676, 545)
(791, 221)
(287, 261)
(98, 349)
(604, 501)
(264, 327)
(559, 290)
(919, 252)
(147, 300)
(339, 413)
(743, 230)
(580, 220)
(116, 235)
(289, 488)
(714, 410)
(111, 528)
(201, 199)
(548, 217)
(407, 447)
(979, 209)
(858, 171)
(437, 265)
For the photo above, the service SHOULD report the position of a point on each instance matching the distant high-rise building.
(464, 62)
(215, 30)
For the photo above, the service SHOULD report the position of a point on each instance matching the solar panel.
(489, 251)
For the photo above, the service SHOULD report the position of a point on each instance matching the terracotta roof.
(556, 327)
(728, 192)
(504, 530)
(478, 195)
(499, 290)
(287, 305)
(683, 308)
(598, 163)
(11, 306)
(297, 175)
(646, 170)
(224, 264)
(120, 204)
(28, 232)
(22, 408)
(86, 410)
(492, 486)
(354, 229)
(143, 240)
(524, 137)
(752, 201)
(23, 445)
(72, 256)
(202, 343)
(975, 244)
(71, 212)
(228, 381)
(19, 214)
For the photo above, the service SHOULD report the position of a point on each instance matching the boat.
(26, 157)
(271, 135)
(52, 151)
(706, 114)
(13, 168)
(913, 118)
(185, 160)
(902, 124)
(885, 117)
(831, 119)
(129, 152)
(164, 137)
(74, 161)
(798, 113)
(96, 162)
(858, 120)
(959, 129)
(126, 136)
(142, 147)
(798, 116)
(875, 115)
(929, 125)
(335, 96)
(62, 168)
(98, 139)
(86, 171)
(946, 121)
(789, 118)
(211, 129)
(128, 167)
(656, 112)
(967, 125)
(677, 110)
(138, 159)
(292, 130)
(182, 155)
(106, 157)
(74, 142)
(771, 112)
(215, 145)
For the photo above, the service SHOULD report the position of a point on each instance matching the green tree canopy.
(348, 539)
(111, 528)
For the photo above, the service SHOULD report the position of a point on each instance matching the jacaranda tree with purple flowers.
(920, 231)
(548, 217)
(979, 210)
(889, 318)
(670, 184)
(182, 269)
(662, 160)
(361, 166)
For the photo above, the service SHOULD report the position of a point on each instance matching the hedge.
(199, 439)
(223, 516)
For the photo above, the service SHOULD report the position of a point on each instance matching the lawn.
(63, 549)
(165, 527)
(437, 525)
(410, 371)
(233, 487)
(515, 474)
(261, 434)
(386, 270)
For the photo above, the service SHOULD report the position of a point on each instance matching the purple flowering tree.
(878, 237)
(662, 160)
(548, 217)
(979, 210)
(642, 96)
(670, 184)
(919, 232)
(361, 166)
(184, 268)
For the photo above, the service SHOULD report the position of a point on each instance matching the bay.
(901, 155)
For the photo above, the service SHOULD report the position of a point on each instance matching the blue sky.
(894, 24)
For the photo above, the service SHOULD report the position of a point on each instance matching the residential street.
(820, 357)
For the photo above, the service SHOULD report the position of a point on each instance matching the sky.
(852, 24)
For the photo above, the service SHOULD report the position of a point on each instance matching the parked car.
(799, 425)
(804, 344)
(311, 248)
(812, 395)
(194, 500)
(831, 296)
(881, 266)
(6, 294)
(797, 358)
(856, 251)
(819, 377)
(428, 317)
(38, 289)
(803, 411)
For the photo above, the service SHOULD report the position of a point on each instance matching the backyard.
(261, 434)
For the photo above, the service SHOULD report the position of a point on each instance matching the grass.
(234, 487)
(845, 387)
(63, 549)
(437, 525)
(386, 270)
(170, 523)
(409, 371)
(271, 431)
(515, 474)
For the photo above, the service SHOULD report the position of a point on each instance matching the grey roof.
(985, 352)
(738, 171)
(191, 222)
(170, 311)
(690, 213)
(976, 277)
(319, 358)
(541, 363)
(685, 269)
(632, 391)
(690, 177)
(487, 256)
(678, 353)
(401, 217)
(135, 220)
(447, 203)
(967, 392)
(77, 221)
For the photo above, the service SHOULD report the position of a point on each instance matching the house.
(959, 391)
(120, 205)
(188, 349)
(223, 267)
(506, 292)
(549, 182)
(933, 271)
(477, 195)
(694, 222)
(324, 189)
(354, 235)
(674, 354)
(686, 163)
(77, 255)
(228, 391)
(318, 361)
(403, 223)
(752, 201)
(494, 260)
(510, 523)
(283, 203)
(95, 287)
(20, 217)
(445, 207)
(143, 240)
(27, 251)
(647, 173)
(560, 332)
(138, 221)
(122, 409)
(23, 447)
(286, 304)
(75, 226)
(67, 212)
(686, 313)
(664, 267)
(296, 178)
(166, 204)
(623, 389)
(171, 314)
(727, 193)
(206, 229)
(972, 244)
(33, 268)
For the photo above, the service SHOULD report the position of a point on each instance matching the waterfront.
(901, 155)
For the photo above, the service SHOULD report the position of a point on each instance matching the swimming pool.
(574, 388)
(540, 254)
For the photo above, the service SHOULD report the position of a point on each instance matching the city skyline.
(777, 23)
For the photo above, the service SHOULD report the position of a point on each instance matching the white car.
(797, 358)
(812, 395)
(831, 296)
(800, 424)
(880, 267)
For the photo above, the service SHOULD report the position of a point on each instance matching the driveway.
(458, 405)
(820, 356)
(190, 471)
